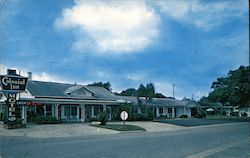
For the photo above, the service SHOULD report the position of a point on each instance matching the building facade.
(81, 103)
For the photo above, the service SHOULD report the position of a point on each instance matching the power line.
(173, 90)
(51, 69)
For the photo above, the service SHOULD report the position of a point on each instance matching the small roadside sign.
(124, 116)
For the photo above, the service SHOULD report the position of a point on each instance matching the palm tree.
(148, 92)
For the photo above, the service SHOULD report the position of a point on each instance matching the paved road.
(230, 140)
(189, 122)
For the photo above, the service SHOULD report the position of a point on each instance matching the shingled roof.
(172, 102)
(40, 88)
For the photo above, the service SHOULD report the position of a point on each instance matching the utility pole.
(51, 69)
(173, 90)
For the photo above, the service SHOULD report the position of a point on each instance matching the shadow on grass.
(121, 127)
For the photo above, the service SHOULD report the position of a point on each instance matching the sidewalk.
(55, 130)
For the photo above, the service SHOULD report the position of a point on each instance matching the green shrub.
(163, 116)
(103, 117)
(45, 120)
(200, 113)
(184, 116)
(223, 113)
(243, 114)
(236, 113)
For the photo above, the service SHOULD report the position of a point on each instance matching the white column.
(165, 110)
(138, 110)
(110, 111)
(104, 107)
(157, 111)
(248, 109)
(44, 108)
(173, 112)
(24, 117)
(56, 111)
(82, 113)
(184, 110)
(62, 112)
(77, 112)
(52, 110)
(92, 111)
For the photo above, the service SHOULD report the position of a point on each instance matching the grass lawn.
(121, 127)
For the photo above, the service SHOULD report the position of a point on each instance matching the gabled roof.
(40, 88)
(72, 89)
(101, 92)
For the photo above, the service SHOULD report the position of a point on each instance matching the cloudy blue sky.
(188, 43)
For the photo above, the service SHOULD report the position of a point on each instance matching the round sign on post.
(124, 116)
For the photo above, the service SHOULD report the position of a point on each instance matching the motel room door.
(70, 112)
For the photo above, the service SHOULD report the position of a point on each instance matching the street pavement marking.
(216, 125)
(214, 150)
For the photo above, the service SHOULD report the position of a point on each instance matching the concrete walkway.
(79, 129)
(56, 130)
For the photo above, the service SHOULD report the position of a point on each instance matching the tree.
(141, 92)
(159, 95)
(233, 89)
(129, 92)
(148, 92)
(106, 85)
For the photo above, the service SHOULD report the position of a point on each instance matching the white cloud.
(164, 87)
(202, 14)
(110, 26)
(39, 76)
(139, 76)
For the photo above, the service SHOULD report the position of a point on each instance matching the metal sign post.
(12, 84)
(124, 116)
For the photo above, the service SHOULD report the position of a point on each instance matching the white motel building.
(81, 103)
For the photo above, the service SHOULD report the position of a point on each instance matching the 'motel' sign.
(13, 83)
(11, 102)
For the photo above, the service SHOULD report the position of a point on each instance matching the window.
(134, 110)
(66, 111)
(161, 110)
(169, 110)
(96, 110)
(48, 110)
(74, 111)
(70, 111)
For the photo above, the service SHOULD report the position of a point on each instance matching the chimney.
(11, 72)
(30, 75)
